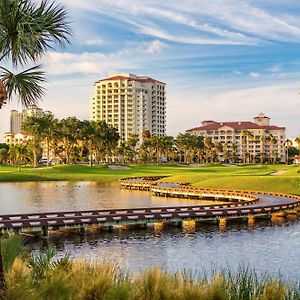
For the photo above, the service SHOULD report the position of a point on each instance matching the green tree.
(27, 30)
(34, 126)
(19, 154)
(69, 133)
(209, 149)
(4, 148)
(297, 140)
(88, 138)
(48, 132)
(219, 150)
(132, 143)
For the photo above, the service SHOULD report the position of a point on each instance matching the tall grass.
(38, 277)
(29, 278)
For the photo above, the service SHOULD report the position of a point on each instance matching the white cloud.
(200, 21)
(59, 63)
(275, 100)
(94, 42)
(237, 72)
(254, 74)
(155, 46)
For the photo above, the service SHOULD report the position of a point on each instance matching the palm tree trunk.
(48, 152)
(35, 162)
(91, 156)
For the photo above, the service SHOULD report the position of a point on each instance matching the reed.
(29, 277)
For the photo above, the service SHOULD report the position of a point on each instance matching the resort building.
(15, 139)
(16, 121)
(297, 159)
(252, 141)
(131, 104)
(15, 135)
(17, 118)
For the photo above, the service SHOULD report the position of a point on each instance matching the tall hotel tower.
(17, 118)
(131, 104)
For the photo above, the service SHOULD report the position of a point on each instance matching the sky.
(222, 60)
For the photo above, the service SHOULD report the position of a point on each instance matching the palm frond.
(25, 85)
(28, 29)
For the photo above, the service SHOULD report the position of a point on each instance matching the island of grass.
(275, 178)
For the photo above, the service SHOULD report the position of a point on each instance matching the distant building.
(297, 159)
(16, 121)
(16, 135)
(33, 111)
(131, 104)
(15, 139)
(254, 139)
(17, 118)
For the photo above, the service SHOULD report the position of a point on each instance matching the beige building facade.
(16, 121)
(255, 139)
(16, 136)
(131, 104)
(17, 118)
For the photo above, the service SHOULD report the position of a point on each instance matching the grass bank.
(31, 277)
(251, 177)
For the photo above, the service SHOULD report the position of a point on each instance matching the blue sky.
(221, 59)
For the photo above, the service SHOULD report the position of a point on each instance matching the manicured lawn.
(252, 177)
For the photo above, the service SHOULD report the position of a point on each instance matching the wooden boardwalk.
(235, 205)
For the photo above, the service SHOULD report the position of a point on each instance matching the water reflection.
(29, 197)
(265, 245)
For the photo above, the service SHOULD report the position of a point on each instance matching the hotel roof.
(234, 125)
(143, 79)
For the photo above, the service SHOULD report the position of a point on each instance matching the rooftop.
(234, 125)
(130, 77)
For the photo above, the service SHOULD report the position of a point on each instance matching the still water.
(267, 248)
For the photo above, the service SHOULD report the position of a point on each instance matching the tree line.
(74, 141)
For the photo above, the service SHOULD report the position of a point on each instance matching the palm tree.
(262, 148)
(34, 127)
(209, 153)
(297, 140)
(3, 153)
(132, 145)
(168, 147)
(269, 139)
(199, 147)
(185, 143)
(87, 136)
(69, 130)
(234, 148)
(28, 29)
(146, 135)
(219, 150)
(246, 136)
(48, 126)
(156, 146)
(274, 153)
(288, 145)
(19, 154)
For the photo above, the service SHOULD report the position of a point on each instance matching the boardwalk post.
(44, 231)
(82, 230)
(222, 224)
(251, 220)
